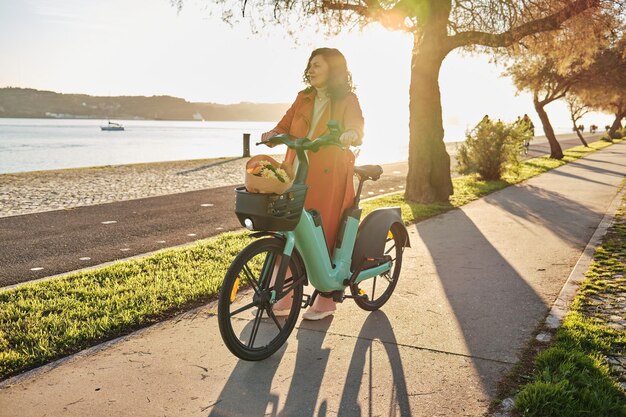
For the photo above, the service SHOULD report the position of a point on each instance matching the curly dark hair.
(339, 78)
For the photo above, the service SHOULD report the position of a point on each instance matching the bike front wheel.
(371, 294)
(246, 318)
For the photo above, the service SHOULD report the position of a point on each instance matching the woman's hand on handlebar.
(266, 136)
(350, 138)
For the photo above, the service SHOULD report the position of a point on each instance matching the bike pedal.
(337, 296)
(358, 296)
(306, 300)
(379, 261)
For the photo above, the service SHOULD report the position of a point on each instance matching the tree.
(538, 75)
(603, 86)
(438, 27)
(577, 109)
(549, 65)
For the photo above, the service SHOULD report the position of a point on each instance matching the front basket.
(270, 212)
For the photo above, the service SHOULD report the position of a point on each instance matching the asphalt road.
(39, 245)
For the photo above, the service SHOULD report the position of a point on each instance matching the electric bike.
(292, 253)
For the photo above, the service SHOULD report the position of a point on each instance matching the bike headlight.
(248, 223)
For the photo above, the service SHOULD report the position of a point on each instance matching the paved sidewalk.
(474, 285)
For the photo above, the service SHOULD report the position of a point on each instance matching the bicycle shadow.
(249, 390)
(378, 324)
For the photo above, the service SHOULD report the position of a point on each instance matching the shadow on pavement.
(598, 170)
(249, 392)
(564, 217)
(578, 177)
(587, 158)
(309, 369)
(248, 389)
(376, 327)
(494, 307)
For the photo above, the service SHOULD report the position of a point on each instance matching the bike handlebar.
(305, 144)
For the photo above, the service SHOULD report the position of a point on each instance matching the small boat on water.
(112, 126)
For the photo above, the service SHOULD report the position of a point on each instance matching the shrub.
(491, 147)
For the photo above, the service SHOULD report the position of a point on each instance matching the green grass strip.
(50, 319)
(574, 376)
(469, 187)
(46, 320)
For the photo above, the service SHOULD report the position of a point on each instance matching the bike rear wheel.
(371, 294)
(247, 322)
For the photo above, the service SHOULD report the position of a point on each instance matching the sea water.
(45, 144)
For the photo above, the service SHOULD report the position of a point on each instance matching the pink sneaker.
(313, 315)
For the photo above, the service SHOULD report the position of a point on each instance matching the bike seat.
(369, 172)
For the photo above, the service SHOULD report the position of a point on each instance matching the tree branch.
(548, 23)
(335, 5)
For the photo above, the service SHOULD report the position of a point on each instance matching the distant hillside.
(27, 102)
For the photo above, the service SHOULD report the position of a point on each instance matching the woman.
(329, 95)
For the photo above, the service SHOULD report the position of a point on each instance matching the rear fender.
(372, 234)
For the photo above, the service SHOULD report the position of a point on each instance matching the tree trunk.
(429, 177)
(580, 136)
(555, 148)
(617, 124)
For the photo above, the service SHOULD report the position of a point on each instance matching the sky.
(145, 47)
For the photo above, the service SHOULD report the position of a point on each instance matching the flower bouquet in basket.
(265, 175)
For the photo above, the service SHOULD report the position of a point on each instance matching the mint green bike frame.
(325, 273)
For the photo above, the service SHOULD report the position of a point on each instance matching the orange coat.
(331, 190)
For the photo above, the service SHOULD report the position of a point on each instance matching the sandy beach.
(40, 191)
